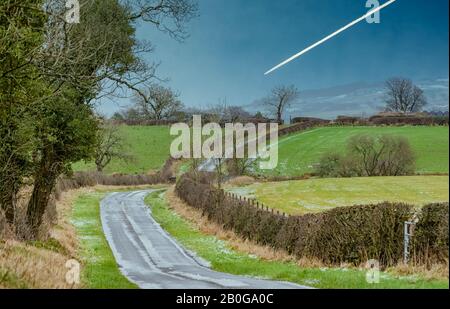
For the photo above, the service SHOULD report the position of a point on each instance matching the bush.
(336, 165)
(370, 156)
(431, 239)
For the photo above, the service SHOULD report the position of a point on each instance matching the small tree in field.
(382, 156)
(370, 156)
(110, 145)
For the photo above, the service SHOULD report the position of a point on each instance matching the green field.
(315, 195)
(224, 258)
(148, 145)
(299, 152)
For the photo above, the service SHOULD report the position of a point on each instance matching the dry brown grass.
(38, 264)
(436, 271)
(35, 264)
(26, 266)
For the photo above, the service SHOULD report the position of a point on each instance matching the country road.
(150, 258)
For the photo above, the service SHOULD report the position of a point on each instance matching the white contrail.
(330, 36)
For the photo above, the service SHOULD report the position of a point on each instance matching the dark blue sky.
(233, 42)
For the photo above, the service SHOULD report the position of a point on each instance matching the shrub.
(329, 165)
(431, 239)
(240, 166)
(370, 156)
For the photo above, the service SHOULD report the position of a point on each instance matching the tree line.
(162, 103)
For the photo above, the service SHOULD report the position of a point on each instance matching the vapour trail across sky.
(370, 13)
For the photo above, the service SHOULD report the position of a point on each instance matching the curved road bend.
(149, 257)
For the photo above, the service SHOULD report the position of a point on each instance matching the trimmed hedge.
(298, 127)
(408, 120)
(430, 240)
(357, 234)
(90, 179)
(310, 119)
(351, 234)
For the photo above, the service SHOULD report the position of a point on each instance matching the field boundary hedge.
(90, 179)
(352, 234)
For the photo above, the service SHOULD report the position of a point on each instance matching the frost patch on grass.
(311, 281)
(246, 191)
(84, 223)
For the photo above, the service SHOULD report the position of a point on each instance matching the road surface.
(150, 258)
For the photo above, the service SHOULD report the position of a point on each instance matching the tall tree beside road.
(21, 36)
(50, 74)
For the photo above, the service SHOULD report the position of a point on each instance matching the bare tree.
(236, 113)
(240, 166)
(169, 16)
(158, 103)
(216, 112)
(281, 98)
(381, 156)
(110, 145)
(403, 96)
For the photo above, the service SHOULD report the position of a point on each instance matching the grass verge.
(223, 257)
(100, 270)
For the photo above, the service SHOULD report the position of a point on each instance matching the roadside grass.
(316, 195)
(25, 266)
(300, 151)
(148, 145)
(9, 280)
(100, 270)
(224, 258)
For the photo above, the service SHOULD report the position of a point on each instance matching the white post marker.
(371, 12)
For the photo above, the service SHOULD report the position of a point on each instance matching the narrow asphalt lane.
(149, 257)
